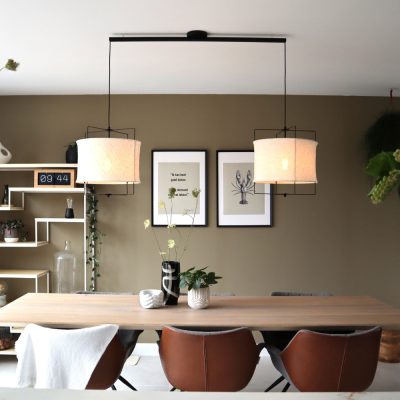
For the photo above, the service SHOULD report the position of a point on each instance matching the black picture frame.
(244, 220)
(177, 156)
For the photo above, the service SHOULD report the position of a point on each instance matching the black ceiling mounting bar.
(199, 36)
(190, 37)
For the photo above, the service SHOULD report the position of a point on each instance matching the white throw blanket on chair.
(58, 358)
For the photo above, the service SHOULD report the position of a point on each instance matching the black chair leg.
(173, 389)
(125, 382)
(277, 382)
(286, 387)
(113, 387)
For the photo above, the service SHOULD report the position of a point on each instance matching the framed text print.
(237, 204)
(185, 171)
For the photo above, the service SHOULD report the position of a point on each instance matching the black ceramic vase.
(71, 155)
(170, 282)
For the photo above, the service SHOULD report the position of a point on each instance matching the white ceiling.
(340, 47)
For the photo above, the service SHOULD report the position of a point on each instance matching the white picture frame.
(185, 170)
(240, 202)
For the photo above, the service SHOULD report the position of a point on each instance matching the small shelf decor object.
(184, 170)
(11, 230)
(65, 271)
(52, 178)
(5, 155)
(237, 204)
(69, 212)
(198, 283)
(176, 244)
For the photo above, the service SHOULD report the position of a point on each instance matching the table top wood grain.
(254, 312)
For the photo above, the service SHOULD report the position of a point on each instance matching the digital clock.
(51, 178)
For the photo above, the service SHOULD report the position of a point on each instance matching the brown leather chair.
(208, 361)
(127, 338)
(320, 362)
(108, 369)
(281, 339)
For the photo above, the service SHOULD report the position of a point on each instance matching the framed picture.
(184, 170)
(237, 204)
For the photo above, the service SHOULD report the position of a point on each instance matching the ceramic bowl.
(151, 298)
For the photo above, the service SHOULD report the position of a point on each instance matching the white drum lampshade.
(285, 161)
(108, 161)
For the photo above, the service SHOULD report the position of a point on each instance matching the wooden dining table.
(255, 312)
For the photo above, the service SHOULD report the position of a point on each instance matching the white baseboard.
(151, 350)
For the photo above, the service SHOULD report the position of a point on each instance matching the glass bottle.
(65, 270)
(5, 196)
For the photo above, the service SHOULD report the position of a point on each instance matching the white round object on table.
(151, 298)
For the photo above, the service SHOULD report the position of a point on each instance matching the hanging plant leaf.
(384, 134)
(381, 164)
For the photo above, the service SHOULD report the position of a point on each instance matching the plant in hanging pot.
(11, 230)
(385, 168)
(176, 246)
(198, 282)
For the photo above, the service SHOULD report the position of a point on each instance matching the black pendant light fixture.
(112, 157)
(287, 156)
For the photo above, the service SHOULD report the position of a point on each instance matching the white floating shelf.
(11, 208)
(8, 352)
(62, 220)
(31, 167)
(43, 190)
(23, 244)
(22, 273)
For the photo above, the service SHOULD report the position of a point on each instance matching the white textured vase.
(151, 298)
(5, 155)
(199, 298)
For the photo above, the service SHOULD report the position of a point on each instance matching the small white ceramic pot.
(5, 155)
(151, 298)
(199, 298)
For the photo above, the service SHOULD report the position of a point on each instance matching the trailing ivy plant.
(94, 239)
(385, 168)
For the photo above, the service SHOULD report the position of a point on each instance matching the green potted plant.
(198, 282)
(11, 230)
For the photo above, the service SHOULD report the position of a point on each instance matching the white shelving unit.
(24, 244)
(11, 208)
(35, 274)
(14, 191)
(32, 167)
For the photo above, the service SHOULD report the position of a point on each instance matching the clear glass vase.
(65, 271)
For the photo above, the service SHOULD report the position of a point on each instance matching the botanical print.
(183, 177)
(238, 189)
(184, 171)
(240, 201)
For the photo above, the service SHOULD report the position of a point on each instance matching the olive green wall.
(335, 241)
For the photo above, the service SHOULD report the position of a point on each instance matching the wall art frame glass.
(237, 203)
(184, 170)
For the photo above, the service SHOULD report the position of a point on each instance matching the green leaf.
(381, 164)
